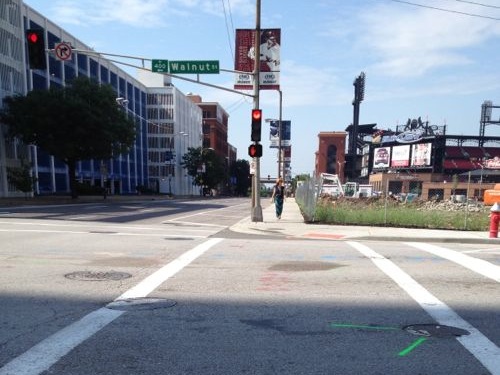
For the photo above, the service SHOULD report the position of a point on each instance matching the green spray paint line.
(381, 328)
(412, 346)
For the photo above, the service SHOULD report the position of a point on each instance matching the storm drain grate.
(97, 276)
(435, 330)
(143, 303)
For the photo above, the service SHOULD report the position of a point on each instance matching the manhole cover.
(435, 330)
(97, 276)
(137, 304)
(298, 266)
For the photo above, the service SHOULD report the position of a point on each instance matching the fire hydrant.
(494, 220)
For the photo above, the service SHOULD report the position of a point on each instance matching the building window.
(331, 159)
(437, 194)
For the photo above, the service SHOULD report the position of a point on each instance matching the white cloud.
(144, 13)
(408, 41)
(140, 13)
(217, 7)
(309, 86)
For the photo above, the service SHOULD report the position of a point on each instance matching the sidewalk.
(292, 225)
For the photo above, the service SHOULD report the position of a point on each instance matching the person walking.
(278, 197)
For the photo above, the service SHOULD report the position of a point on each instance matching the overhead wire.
(480, 4)
(228, 18)
(228, 31)
(447, 10)
(231, 18)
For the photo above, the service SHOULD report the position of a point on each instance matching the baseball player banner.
(270, 42)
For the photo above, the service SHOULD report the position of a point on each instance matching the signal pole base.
(257, 214)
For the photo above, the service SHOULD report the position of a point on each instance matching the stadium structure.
(417, 158)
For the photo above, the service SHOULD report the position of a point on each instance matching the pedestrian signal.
(255, 150)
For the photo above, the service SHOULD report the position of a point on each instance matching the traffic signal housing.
(255, 150)
(36, 48)
(256, 124)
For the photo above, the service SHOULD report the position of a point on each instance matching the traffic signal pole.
(256, 213)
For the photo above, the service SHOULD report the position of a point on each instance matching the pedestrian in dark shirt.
(278, 197)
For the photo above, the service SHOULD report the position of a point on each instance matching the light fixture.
(121, 101)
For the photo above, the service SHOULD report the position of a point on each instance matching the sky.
(434, 59)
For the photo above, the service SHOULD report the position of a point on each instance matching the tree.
(78, 122)
(21, 177)
(205, 166)
(241, 171)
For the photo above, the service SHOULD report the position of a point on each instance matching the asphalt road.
(149, 288)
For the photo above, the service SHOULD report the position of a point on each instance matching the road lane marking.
(479, 266)
(43, 231)
(104, 233)
(49, 351)
(180, 218)
(193, 223)
(153, 281)
(476, 343)
(46, 353)
(84, 225)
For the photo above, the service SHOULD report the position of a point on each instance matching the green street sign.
(194, 67)
(159, 66)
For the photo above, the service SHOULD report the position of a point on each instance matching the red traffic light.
(32, 37)
(36, 48)
(255, 150)
(256, 114)
(256, 125)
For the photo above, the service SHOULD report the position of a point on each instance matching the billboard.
(270, 56)
(381, 157)
(400, 156)
(421, 154)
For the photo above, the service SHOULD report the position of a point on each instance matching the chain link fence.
(306, 196)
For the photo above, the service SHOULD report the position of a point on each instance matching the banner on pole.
(274, 133)
(270, 55)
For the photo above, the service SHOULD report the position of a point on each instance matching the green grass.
(399, 215)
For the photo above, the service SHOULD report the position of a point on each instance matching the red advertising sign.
(270, 54)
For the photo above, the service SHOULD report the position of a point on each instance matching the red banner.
(270, 53)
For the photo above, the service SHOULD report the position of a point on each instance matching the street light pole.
(180, 179)
(280, 139)
(256, 207)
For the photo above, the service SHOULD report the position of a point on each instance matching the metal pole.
(280, 169)
(467, 203)
(257, 209)
(481, 184)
